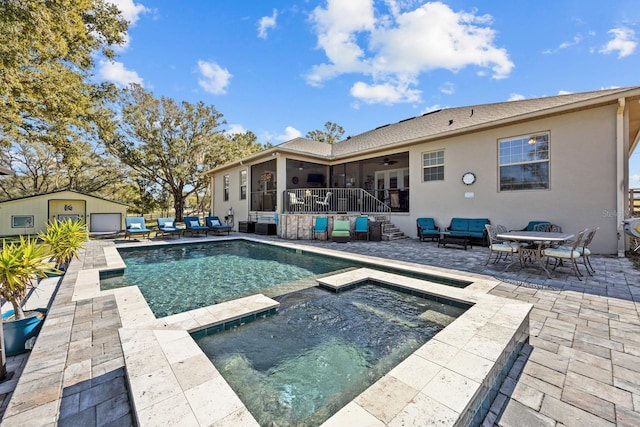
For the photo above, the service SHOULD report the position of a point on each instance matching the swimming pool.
(322, 349)
(179, 278)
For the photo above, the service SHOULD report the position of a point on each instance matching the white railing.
(333, 200)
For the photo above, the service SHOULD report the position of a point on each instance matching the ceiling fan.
(388, 162)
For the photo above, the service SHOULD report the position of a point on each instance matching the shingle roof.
(447, 122)
(460, 119)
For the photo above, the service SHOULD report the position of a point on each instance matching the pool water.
(300, 366)
(178, 278)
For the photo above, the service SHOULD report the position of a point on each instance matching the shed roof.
(58, 192)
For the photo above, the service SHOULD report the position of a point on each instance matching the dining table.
(531, 244)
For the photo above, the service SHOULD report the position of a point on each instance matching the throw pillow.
(215, 222)
(195, 223)
(168, 224)
(136, 226)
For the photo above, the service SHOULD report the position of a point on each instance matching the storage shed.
(30, 215)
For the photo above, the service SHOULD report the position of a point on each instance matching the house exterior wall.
(47, 206)
(240, 207)
(582, 174)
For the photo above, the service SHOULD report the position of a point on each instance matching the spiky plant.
(21, 264)
(64, 239)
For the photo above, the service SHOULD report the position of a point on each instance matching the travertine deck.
(583, 366)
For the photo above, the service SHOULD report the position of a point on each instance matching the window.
(226, 187)
(243, 185)
(524, 162)
(21, 221)
(433, 166)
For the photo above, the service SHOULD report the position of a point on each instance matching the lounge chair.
(193, 226)
(167, 226)
(427, 229)
(321, 226)
(341, 231)
(136, 227)
(361, 227)
(215, 226)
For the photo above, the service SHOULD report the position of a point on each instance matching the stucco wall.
(581, 171)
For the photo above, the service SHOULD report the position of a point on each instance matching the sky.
(282, 69)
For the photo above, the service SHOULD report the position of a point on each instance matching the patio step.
(391, 232)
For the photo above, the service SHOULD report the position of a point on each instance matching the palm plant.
(20, 264)
(64, 239)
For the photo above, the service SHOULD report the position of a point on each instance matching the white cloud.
(516, 97)
(396, 48)
(116, 72)
(131, 12)
(386, 93)
(289, 133)
(214, 79)
(266, 23)
(448, 88)
(624, 42)
(564, 92)
(236, 129)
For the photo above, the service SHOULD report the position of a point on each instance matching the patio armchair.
(215, 226)
(167, 226)
(295, 204)
(324, 204)
(427, 229)
(321, 227)
(534, 226)
(361, 227)
(341, 231)
(135, 226)
(193, 226)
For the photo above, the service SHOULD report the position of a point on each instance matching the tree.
(172, 144)
(47, 51)
(332, 133)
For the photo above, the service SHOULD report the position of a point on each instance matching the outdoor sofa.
(473, 227)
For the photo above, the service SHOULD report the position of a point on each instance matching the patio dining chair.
(497, 247)
(569, 253)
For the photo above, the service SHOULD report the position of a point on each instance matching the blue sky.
(281, 69)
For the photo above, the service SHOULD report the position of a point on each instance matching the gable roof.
(61, 191)
(452, 121)
(448, 122)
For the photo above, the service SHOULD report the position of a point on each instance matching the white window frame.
(528, 151)
(27, 224)
(432, 160)
(225, 185)
(243, 184)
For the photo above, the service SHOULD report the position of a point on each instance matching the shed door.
(105, 222)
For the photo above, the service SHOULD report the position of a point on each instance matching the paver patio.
(581, 368)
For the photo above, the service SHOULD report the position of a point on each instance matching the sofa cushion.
(459, 224)
(477, 224)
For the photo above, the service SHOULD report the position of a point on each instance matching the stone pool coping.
(172, 381)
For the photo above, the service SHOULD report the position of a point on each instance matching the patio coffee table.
(454, 239)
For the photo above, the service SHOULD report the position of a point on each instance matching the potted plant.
(21, 264)
(64, 239)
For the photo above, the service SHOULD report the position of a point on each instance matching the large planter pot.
(17, 332)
